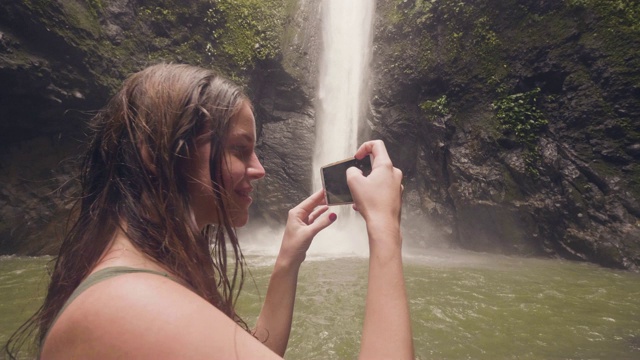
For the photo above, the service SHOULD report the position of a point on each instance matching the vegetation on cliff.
(519, 115)
(62, 58)
(538, 144)
(516, 121)
(114, 39)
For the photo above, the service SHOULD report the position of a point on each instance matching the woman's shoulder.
(143, 315)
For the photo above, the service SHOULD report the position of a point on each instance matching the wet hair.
(133, 180)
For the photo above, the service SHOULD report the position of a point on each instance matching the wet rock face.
(571, 188)
(285, 116)
(43, 99)
(286, 138)
(60, 61)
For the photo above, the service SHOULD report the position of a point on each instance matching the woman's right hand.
(378, 197)
(386, 333)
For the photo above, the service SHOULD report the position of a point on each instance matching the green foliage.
(95, 6)
(519, 115)
(437, 108)
(483, 35)
(81, 14)
(453, 9)
(245, 31)
(158, 14)
(622, 13)
(432, 32)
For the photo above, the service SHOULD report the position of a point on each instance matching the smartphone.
(334, 179)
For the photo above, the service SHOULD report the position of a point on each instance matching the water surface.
(463, 306)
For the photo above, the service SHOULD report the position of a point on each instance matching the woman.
(143, 272)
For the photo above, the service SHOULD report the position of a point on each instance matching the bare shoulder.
(143, 316)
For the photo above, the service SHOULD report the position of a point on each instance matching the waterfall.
(342, 97)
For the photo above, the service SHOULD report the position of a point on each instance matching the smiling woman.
(166, 180)
(241, 166)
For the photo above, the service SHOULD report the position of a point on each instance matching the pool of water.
(463, 306)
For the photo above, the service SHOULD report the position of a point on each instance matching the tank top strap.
(105, 274)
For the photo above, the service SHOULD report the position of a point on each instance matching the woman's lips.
(244, 195)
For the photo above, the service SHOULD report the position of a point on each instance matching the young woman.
(143, 272)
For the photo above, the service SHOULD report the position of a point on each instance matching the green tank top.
(96, 277)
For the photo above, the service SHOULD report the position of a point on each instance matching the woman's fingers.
(305, 221)
(381, 191)
(317, 222)
(308, 214)
(320, 223)
(353, 174)
(316, 213)
(305, 208)
(378, 151)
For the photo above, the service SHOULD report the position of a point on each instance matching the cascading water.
(342, 95)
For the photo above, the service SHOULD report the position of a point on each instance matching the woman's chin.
(239, 220)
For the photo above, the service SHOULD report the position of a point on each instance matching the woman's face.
(239, 168)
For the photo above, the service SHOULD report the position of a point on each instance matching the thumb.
(353, 175)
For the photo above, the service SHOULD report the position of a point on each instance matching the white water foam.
(343, 238)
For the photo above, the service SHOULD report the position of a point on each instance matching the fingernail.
(333, 217)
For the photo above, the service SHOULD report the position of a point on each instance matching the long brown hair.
(133, 179)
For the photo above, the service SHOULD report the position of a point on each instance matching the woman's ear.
(148, 159)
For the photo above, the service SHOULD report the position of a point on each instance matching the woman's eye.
(241, 150)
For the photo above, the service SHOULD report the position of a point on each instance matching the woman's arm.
(274, 323)
(387, 326)
(378, 197)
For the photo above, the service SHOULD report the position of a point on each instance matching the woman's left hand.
(304, 222)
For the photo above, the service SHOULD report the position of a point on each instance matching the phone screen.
(334, 179)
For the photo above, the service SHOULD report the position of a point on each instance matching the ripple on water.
(461, 308)
(551, 294)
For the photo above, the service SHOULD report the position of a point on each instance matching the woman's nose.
(255, 169)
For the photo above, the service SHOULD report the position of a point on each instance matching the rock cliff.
(60, 60)
(516, 123)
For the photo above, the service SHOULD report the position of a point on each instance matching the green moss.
(616, 33)
(289, 31)
(81, 16)
(620, 14)
(399, 11)
(519, 116)
(245, 31)
(459, 37)
(435, 108)
(158, 15)
(76, 15)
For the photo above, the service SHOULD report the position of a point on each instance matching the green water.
(463, 306)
